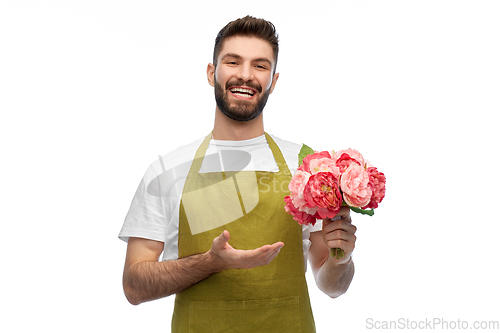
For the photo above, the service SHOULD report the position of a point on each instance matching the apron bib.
(249, 204)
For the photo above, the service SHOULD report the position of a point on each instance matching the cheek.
(221, 75)
(269, 83)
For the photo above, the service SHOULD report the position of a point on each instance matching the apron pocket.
(270, 315)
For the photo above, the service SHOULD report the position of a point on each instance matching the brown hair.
(248, 26)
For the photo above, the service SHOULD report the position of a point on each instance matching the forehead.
(248, 48)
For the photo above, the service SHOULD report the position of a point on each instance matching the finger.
(268, 257)
(276, 249)
(340, 238)
(271, 257)
(340, 235)
(343, 214)
(278, 245)
(222, 239)
(332, 226)
(271, 248)
(348, 247)
(265, 251)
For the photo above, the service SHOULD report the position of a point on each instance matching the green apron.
(271, 298)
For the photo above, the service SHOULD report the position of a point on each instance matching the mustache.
(241, 82)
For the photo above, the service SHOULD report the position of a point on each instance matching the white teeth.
(242, 90)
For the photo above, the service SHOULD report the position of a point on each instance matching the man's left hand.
(339, 233)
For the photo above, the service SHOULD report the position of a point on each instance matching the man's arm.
(333, 276)
(146, 279)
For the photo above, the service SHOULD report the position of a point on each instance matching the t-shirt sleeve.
(146, 217)
(318, 226)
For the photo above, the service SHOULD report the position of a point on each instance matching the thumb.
(222, 239)
(328, 221)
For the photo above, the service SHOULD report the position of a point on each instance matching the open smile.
(242, 92)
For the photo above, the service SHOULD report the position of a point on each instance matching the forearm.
(146, 281)
(333, 278)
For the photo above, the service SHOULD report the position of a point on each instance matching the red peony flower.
(301, 217)
(322, 191)
(377, 185)
(344, 161)
(353, 153)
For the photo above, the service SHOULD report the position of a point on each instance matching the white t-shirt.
(154, 211)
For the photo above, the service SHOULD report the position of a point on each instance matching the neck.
(228, 129)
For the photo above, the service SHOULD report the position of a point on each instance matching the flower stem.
(337, 253)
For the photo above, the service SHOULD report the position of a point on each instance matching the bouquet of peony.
(326, 181)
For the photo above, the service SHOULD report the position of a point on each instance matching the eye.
(262, 66)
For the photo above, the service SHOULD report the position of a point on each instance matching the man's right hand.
(227, 257)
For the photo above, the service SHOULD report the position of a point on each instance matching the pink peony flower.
(351, 152)
(300, 202)
(322, 191)
(343, 161)
(354, 185)
(296, 187)
(377, 185)
(306, 161)
(298, 182)
(324, 165)
(327, 180)
(301, 217)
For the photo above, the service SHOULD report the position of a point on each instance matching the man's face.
(243, 78)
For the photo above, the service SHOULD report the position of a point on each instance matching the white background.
(91, 92)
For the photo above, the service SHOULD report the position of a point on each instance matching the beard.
(240, 110)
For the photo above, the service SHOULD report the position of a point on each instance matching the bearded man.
(232, 255)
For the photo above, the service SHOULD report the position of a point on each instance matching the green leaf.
(304, 151)
(362, 211)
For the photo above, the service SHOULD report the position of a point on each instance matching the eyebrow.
(237, 56)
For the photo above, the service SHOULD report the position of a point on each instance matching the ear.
(211, 74)
(275, 79)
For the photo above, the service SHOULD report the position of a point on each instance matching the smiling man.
(249, 81)
(232, 255)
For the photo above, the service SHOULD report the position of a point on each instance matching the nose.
(245, 72)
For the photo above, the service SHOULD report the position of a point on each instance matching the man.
(231, 254)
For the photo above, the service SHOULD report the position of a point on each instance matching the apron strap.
(200, 155)
(278, 156)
